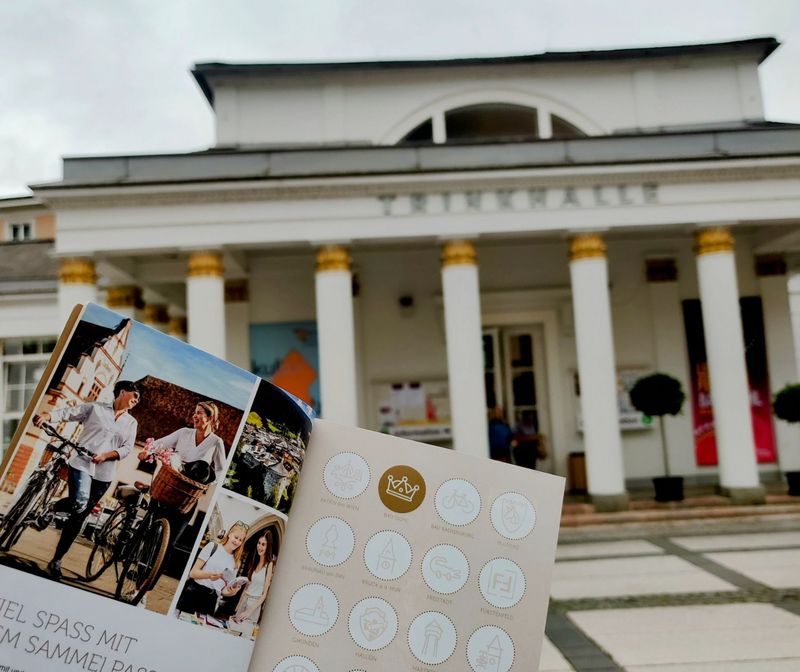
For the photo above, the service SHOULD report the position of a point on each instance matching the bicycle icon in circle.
(458, 500)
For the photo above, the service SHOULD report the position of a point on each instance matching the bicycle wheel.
(14, 522)
(141, 567)
(105, 548)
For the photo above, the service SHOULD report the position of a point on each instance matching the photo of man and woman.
(271, 450)
(227, 583)
(111, 478)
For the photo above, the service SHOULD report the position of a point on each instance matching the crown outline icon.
(401, 488)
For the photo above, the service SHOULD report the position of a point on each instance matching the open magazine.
(146, 498)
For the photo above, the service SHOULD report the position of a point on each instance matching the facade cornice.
(225, 191)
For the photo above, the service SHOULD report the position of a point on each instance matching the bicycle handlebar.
(51, 431)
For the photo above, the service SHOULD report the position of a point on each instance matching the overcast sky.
(108, 77)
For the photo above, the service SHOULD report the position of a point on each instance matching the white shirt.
(211, 449)
(216, 559)
(257, 582)
(102, 431)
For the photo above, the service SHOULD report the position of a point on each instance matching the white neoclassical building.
(443, 236)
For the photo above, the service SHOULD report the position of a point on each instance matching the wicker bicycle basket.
(175, 490)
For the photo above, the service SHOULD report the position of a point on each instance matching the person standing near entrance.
(109, 433)
(501, 437)
(531, 445)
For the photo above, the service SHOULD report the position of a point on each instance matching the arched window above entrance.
(490, 122)
(563, 130)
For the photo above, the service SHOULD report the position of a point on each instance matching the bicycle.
(117, 530)
(32, 508)
(141, 544)
(143, 554)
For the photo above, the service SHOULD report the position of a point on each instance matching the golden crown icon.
(401, 488)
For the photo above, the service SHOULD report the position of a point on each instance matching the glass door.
(515, 377)
(523, 350)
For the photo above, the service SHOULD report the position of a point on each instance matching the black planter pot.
(668, 488)
(793, 479)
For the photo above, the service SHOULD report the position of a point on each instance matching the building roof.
(28, 268)
(16, 203)
(761, 47)
(274, 163)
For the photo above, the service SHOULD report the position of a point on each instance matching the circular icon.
(313, 609)
(445, 569)
(330, 541)
(502, 583)
(401, 488)
(513, 515)
(490, 648)
(373, 623)
(432, 637)
(346, 475)
(296, 664)
(457, 502)
(387, 555)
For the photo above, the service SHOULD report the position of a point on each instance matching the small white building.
(449, 235)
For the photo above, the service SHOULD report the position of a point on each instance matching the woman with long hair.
(259, 573)
(199, 443)
(207, 578)
(202, 456)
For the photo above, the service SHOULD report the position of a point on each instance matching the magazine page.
(144, 501)
(404, 556)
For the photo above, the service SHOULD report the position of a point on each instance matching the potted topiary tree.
(786, 406)
(658, 395)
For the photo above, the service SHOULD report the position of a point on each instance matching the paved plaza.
(711, 595)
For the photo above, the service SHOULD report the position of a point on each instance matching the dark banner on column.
(756, 357)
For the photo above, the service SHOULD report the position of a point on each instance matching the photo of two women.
(228, 582)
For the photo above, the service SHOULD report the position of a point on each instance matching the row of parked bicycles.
(132, 541)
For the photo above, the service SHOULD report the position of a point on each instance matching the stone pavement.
(699, 586)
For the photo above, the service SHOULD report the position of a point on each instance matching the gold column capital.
(713, 240)
(587, 246)
(177, 327)
(123, 296)
(205, 264)
(459, 253)
(333, 258)
(156, 313)
(77, 271)
(237, 291)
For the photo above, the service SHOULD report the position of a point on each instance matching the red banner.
(760, 399)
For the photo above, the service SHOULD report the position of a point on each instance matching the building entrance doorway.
(515, 375)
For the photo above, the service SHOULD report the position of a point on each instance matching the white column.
(337, 350)
(670, 357)
(597, 372)
(781, 361)
(77, 283)
(205, 302)
(124, 299)
(730, 395)
(462, 321)
(237, 317)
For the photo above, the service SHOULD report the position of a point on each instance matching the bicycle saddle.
(141, 486)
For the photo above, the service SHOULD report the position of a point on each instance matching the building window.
(19, 231)
(420, 135)
(22, 362)
(563, 130)
(491, 122)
